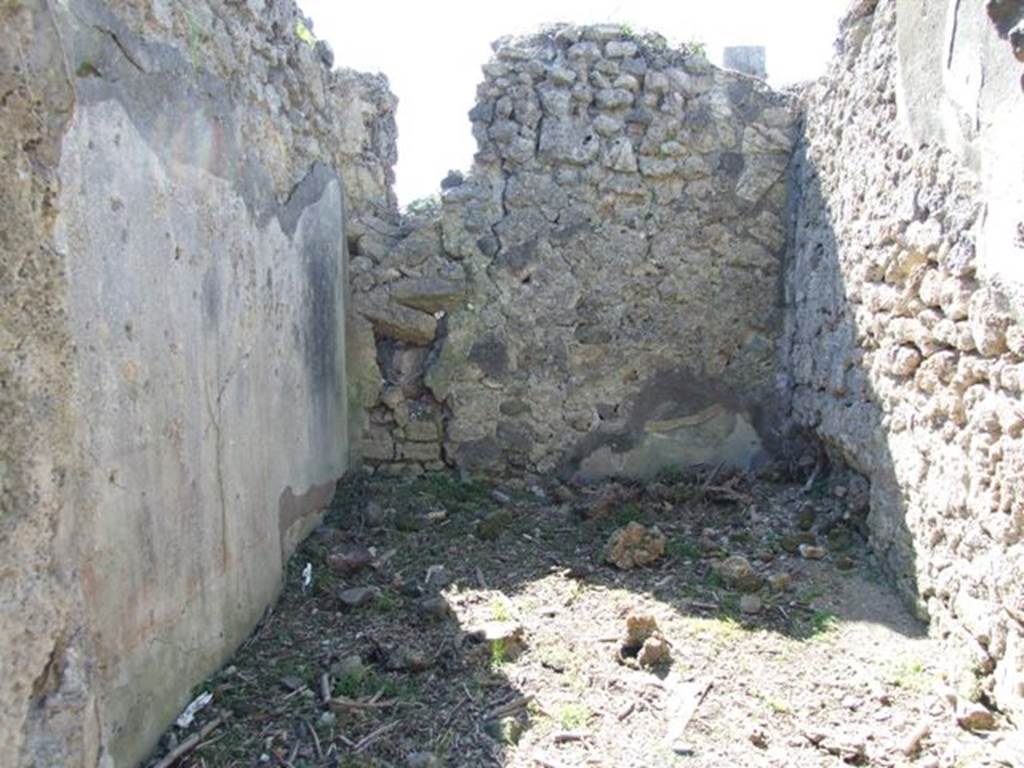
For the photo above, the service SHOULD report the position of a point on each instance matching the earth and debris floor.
(376, 656)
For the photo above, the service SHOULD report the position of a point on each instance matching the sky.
(432, 53)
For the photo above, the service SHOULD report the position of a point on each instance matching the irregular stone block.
(419, 452)
(402, 323)
(422, 432)
(429, 294)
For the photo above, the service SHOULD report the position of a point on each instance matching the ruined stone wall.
(172, 354)
(602, 293)
(907, 358)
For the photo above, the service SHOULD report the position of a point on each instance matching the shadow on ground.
(492, 628)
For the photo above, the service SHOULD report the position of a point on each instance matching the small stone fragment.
(812, 552)
(779, 582)
(409, 660)
(639, 627)
(349, 558)
(851, 750)
(975, 717)
(434, 608)
(840, 538)
(738, 573)
(437, 578)
(806, 519)
(501, 497)
(292, 683)
(356, 597)
(912, 743)
(750, 604)
(437, 515)
(758, 737)
(375, 515)
(655, 650)
(644, 642)
(634, 546)
(350, 669)
(507, 730)
(791, 542)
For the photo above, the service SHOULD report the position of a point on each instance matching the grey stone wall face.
(172, 345)
(905, 356)
(602, 294)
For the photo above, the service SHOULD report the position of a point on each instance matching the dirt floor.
(433, 622)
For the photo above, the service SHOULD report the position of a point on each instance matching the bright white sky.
(432, 53)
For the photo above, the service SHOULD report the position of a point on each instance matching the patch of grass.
(819, 488)
(725, 629)
(910, 675)
(87, 69)
(575, 590)
(731, 604)
(366, 682)
(712, 580)
(498, 654)
(696, 48)
(403, 688)
(354, 685)
(819, 625)
(491, 527)
(628, 513)
(500, 608)
(429, 205)
(350, 492)
(683, 549)
(196, 37)
(387, 602)
(810, 595)
(302, 32)
(446, 489)
(777, 706)
(574, 715)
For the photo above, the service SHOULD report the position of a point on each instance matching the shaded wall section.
(173, 351)
(907, 352)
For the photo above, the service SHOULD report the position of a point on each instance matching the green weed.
(87, 69)
(302, 32)
(574, 716)
(910, 675)
(820, 624)
(777, 706)
(498, 654)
